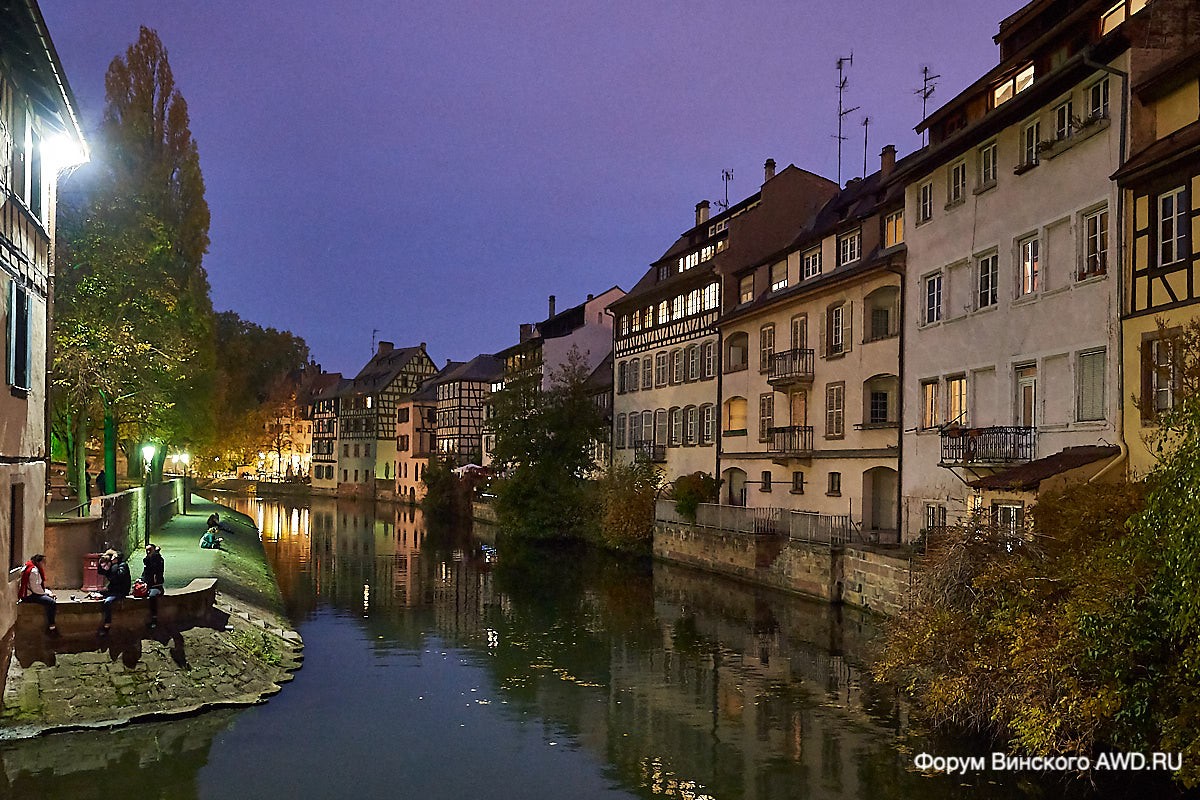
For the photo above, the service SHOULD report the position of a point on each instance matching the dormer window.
(849, 248)
(746, 289)
(1110, 20)
(1010, 87)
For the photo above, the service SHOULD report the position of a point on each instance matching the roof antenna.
(928, 87)
(866, 123)
(727, 177)
(842, 63)
(374, 334)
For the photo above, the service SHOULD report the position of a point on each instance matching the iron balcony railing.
(649, 451)
(995, 445)
(791, 366)
(791, 440)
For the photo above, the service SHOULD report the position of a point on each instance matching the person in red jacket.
(33, 589)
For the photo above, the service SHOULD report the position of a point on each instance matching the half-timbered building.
(416, 435)
(666, 342)
(324, 413)
(460, 402)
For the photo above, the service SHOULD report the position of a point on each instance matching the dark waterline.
(438, 666)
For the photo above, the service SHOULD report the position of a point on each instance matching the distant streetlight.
(148, 452)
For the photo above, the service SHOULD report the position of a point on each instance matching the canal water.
(441, 664)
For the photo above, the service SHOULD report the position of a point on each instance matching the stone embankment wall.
(862, 576)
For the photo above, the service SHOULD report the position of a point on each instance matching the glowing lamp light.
(185, 458)
(148, 452)
(61, 151)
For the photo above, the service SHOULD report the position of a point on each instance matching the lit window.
(677, 307)
(693, 302)
(849, 248)
(1010, 87)
(1095, 231)
(779, 278)
(1023, 79)
(933, 298)
(812, 263)
(956, 401)
(925, 202)
(988, 281)
(929, 405)
(735, 415)
(1172, 226)
(664, 312)
(712, 296)
(1030, 265)
(746, 289)
(1112, 18)
(987, 164)
(893, 229)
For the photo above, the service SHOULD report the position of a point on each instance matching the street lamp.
(148, 452)
(186, 459)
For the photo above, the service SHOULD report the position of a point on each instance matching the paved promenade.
(57, 684)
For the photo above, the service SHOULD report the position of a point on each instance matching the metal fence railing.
(802, 526)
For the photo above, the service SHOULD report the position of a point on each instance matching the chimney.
(887, 161)
(526, 331)
(590, 296)
(768, 170)
(551, 305)
(702, 212)
(386, 347)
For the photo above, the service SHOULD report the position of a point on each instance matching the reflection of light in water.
(295, 526)
(493, 638)
(661, 780)
(366, 597)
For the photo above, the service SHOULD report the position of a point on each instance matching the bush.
(692, 490)
(627, 495)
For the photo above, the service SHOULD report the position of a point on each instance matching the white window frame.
(987, 164)
(1031, 143)
(1097, 99)
(1095, 243)
(925, 202)
(849, 247)
(1090, 380)
(987, 271)
(1029, 259)
(956, 182)
(1173, 228)
(779, 281)
(933, 295)
(811, 263)
(1064, 123)
(893, 228)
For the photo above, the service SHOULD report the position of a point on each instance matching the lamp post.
(186, 459)
(148, 452)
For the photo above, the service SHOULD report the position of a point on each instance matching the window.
(735, 415)
(677, 307)
(765, 483)
(929, 405)
(621, 372)
(1097, 99)
(925, 202)
(1064, 125)
(1095, 246)
(676, 427)
(1158, 376)
(709, 359)
(636, 322)
(1112, 18)
(624, 324)
(693, 362)
(712, 296)
(956, 187)
(799, 331)
(766, 347)
(798, 482)
(648, 317)
(346, 450)
(1010, 87)
(1030, 136)
(693, 302)
(632, 368)
(367, 450)
(987, 164)
(647, 373)
(849, 248)
(877, 410)
(664, 312)
(690, 416)
(893, 229)
(660, 426)
(1030, 265)
(811, 265)
(737, 352)
(835, 484)
(836, 338)
(933, 298)
(935, 517)
(1007, 518)
(662, 369)
(676, 366)
(766, 415)
(1172, 226)
(1089, 404)
(746, 289)
(647, 426)
(707, 419)
(19, 345)
(956, 400)
(779, 278)
(835, 410)
(988, 276)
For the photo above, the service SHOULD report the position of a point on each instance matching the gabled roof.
(34, 65)
(387, 363)
(483, 368)
(1029, 476)
(427, 392)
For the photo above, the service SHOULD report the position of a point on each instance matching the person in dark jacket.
(101, 484)
(112, 566)
(152, 576)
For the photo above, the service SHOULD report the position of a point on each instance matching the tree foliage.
(543, 452)
(692, 490)
(627, 495)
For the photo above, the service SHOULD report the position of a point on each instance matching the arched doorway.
(879, 499)
(735, 486)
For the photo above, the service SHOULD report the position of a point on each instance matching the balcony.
(979, 447)
(791, 367)
(794, 440)
(649, 451)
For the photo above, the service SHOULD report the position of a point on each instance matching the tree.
(133, 339)
(543, 453)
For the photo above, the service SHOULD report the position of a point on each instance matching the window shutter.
(1147, 399)
(12, 332)
(847, 327)
(822, 340)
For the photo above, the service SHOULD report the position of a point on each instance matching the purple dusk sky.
(435, 170)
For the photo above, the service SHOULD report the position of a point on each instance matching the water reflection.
(537, 668)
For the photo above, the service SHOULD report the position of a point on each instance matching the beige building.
(810, 391)
(39, 137)
(1160, 192)
(1011, 288)
(666, 342)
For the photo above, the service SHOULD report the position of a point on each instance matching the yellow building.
(1160, 194)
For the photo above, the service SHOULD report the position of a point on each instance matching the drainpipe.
(1123, 144)
(900, 516)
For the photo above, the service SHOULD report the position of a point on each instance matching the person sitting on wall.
(214, 521)
(112, 566)
(152, 575)
(33, 589)
(210, 540)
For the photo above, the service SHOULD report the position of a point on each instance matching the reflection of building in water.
(460, 588)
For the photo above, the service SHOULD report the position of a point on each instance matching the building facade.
(461, 395)
(1010, 297)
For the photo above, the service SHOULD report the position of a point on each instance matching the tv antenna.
(842, 63)
(928, 87)
(866, 123)
(374, 334)
(727, 177)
